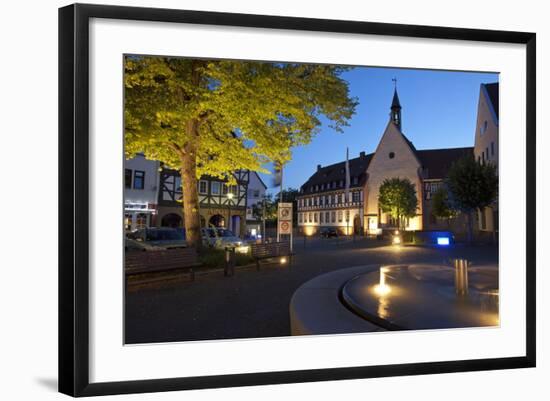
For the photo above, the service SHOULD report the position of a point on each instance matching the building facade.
(486, 146)
(220, 204)
(255, 196)
(141, 183)
(323, 201)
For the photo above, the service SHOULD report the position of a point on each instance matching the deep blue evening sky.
(438, 111)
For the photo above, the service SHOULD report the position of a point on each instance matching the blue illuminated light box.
(442, 240)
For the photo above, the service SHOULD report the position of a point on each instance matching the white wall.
(254, 183)
(149, 193)
(29, 294)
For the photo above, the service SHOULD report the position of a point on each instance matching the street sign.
(285, 227)
(285, 211)
(284, 223)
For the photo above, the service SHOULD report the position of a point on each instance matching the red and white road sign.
(285, 227)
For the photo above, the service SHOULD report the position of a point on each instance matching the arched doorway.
(357, 225)
(172, 220)
(203, 222)
(217, 221)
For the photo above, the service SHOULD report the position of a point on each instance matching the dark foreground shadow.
(47, 382)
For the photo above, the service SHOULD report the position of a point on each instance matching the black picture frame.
(74, 200)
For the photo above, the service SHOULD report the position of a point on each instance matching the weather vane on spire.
(394, 80)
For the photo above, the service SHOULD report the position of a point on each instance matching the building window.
(309, 217)
(327, 217)
(127, 178)
(322, 187)
(391, 155)
(256, 193)
(315, 217)
(233, 189)
(483, 157)
(487, 152)
(333, 217)
(340, 216)
(492, 148)
(128, 221)
(321, 201)
(355, 180)
(356, 196)
(215, 188)
(344, 198)
(341, 183)
(483, 128)
(321, 217)
(139, 179)
(225, 189)
(299, 217)
(203, 187)
(141, 220)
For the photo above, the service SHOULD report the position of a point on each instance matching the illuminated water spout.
(461, 276)
(382, 288)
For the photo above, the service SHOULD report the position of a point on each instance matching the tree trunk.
(189, 188)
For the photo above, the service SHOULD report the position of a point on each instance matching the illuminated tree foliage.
(397, 197)
(215, 116)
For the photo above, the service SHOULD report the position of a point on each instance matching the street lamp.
(229, 200)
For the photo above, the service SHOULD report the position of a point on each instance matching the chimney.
(318, 167)
(362, 155)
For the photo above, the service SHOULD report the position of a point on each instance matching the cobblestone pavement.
(255, 304)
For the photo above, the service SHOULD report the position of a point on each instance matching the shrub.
(212, 257)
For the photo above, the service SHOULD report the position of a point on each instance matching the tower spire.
(395, 114)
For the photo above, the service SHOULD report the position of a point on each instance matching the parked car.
(163, 237)
(133, 245)
(221, 238)
(327, 232)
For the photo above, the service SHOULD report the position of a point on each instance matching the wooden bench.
(136, 262)
(270, 250)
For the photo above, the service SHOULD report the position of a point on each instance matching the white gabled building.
(255, 196)
(486, 146)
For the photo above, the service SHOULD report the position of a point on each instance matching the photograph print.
(273, 198)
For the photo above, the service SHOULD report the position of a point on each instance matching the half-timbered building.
(220, 204)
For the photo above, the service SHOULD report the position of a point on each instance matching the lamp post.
(229, 200)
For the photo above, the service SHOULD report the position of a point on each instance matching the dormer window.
(391, 155)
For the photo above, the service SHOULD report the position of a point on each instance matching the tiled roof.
(436, 162)
(337, 172)
(435, 165)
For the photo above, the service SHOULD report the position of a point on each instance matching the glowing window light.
(396, 240)
(443, 241)
(283, 260)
